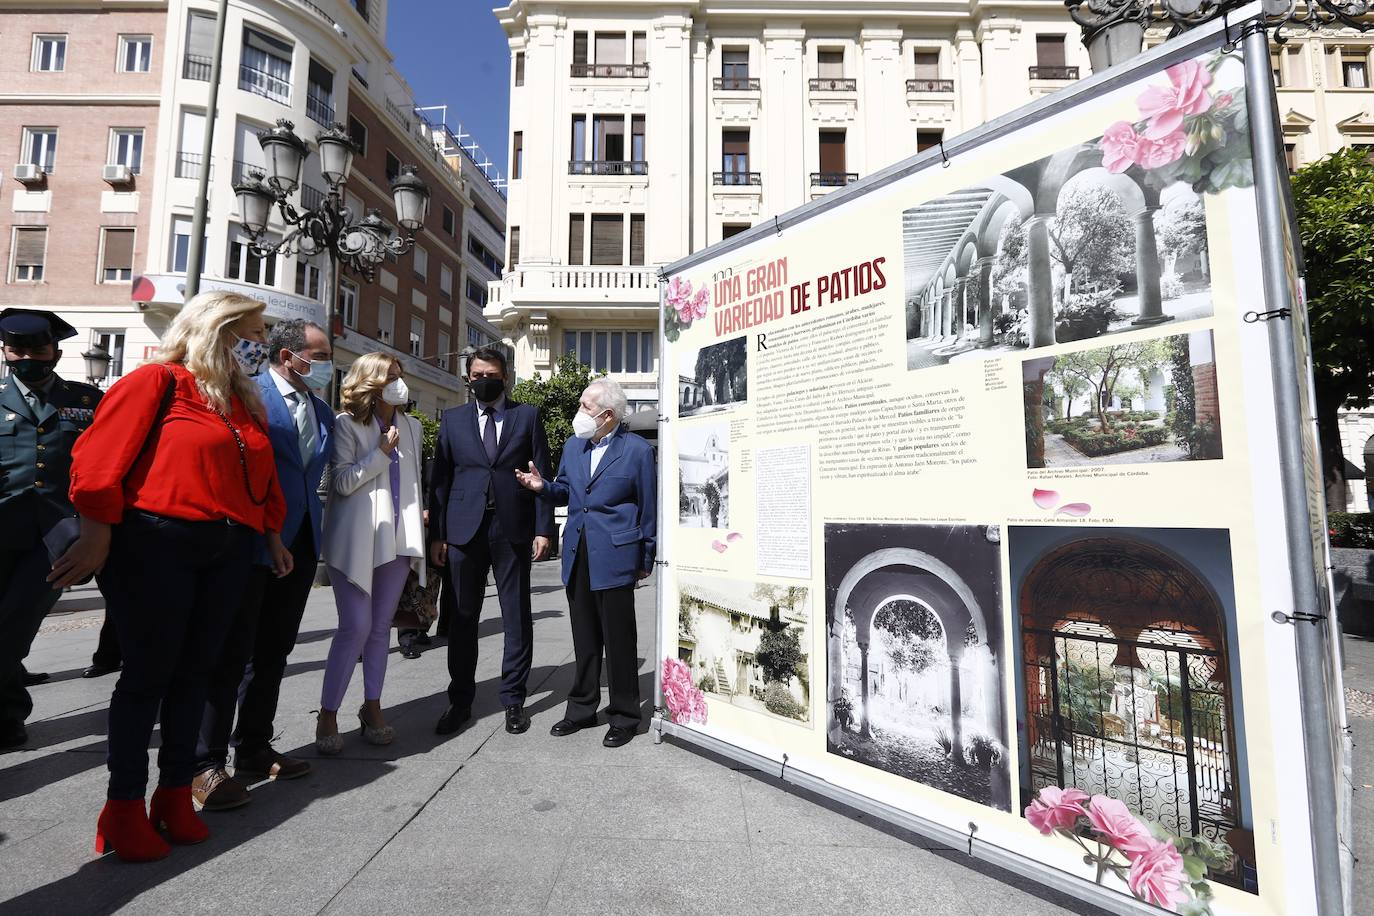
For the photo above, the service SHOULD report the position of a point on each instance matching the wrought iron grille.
(832, 179)
(196, 67)
(829, 84)
(735, 84)
(1054, 73)
(737, 178)
(930, 85)
(606, 167)
(610, 71)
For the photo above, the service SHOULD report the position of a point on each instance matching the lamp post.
(358, 241)
(97, 364)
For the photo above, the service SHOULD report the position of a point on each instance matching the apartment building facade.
(311, 64)
(642, 131)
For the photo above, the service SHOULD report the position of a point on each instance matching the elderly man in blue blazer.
(608, 480)
(247, 679)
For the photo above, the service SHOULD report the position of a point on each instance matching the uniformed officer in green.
(41, 416)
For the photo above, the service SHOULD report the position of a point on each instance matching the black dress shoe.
(13, 735)
(422, 639)
(452, 720)
(618, 736)
(517, 723)
(410, 650)
(35, 677)
(100, 670)
(564, 727)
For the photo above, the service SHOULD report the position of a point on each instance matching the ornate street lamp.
(358, 241)
(97, 364)
(1114, 30)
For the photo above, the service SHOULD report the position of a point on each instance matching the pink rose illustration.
(1055, 808)
(1077, 510)
(1166, 106)
(1223, 100)
(1115, 823)
(697, 308)
(1166, 150)
(675, 292)
(684, 701)
(1045, 499)
(1157, 875)
(1120, 147)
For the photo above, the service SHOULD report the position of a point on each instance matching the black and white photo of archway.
(914, 644)
(1127, 678)
(713, 378)
(1104, 236)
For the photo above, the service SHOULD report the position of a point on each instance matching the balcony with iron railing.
(188, 165)
(267, 85)
(735, 84)
(241, 168)
(607, 167)
(833, 179)
(196, 67)
(928, 85)
(830, 84)
(1054, 73)
(319, 106)
(312, 197)
(743, 179)
(610, 71)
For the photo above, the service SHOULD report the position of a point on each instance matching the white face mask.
(396, 393)
(584, 427)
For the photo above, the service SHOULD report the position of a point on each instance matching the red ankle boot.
(171, 808)
(125, 828)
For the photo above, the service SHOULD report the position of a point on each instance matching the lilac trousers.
(364, 627)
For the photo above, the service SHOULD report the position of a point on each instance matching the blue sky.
(453, 52)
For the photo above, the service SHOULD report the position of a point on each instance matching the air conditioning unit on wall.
(28, 173)
(117, 174)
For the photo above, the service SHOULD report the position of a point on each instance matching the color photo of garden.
(1130, 403)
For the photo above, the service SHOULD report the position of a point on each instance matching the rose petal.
(1076, 509)
(1045, 499)
(718, 547)
(734, 536)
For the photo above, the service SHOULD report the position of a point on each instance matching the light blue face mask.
(321, 372)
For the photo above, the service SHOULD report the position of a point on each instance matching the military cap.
(33, 328)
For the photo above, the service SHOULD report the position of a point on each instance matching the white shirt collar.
(605, 440)
(284, 386)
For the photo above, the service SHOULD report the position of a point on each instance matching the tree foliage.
(1180, 229)
(557, 398)
(915, 640)
(1092, 237)
(1334, 198)
(1009, 267)
(1100, 370)
(724, 368)
(780, 655)
(429, 428)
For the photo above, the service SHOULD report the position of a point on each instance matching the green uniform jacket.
(36, 458)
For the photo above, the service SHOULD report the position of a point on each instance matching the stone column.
(956, 717)
(1040, 281)
(781, 139)
(946, 313)
(866, 731)
(968, 80)
(985, 316)
(1147, 270)
(960, 306)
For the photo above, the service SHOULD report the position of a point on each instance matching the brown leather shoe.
(269, 764)
(216, 790)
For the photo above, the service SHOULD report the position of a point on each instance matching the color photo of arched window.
(1126, 682)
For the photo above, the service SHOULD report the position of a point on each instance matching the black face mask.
(487, 390)
(32, 371)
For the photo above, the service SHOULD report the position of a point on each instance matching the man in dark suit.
(485, 520)
(608, 481)
(40, 417)
(253, 661)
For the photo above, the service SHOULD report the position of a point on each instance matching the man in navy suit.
(483, 520)
(608, 481)
(248, 676)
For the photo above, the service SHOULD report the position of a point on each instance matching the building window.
(181, 246)
(611, 351)
(1367, 149)
(117, 255)
(580, 48)
(450, 222)
(832, 153)
(514, 257)
(348, 302)
(734, 68)
(360, 71)
(361, 7)
(476, 293)
(265, 66)
(639, 45)
(40, 147)
(200, 46)
(1290, 156)
(421, 263)
(519, 68)
(830, 64)
(126, 148)
(393, 166)
(608, 239)
(49, 53)
(637, 138)
(1354, 71)
(476, 338)
(386, 320)
(734, 144)
(357, 132)
(927, 64)
(1049, 50)
(446, 281)
(307, 279)
(610, 47)
(730, 230)
(135, 53)
(1276, 67)
(112, 342)
(480, 251)
(246, 266)
(417, 336)
(576, 234)
(637, 239)
(445, 344)
(319, 94)
(925, 139)
(517, 155)
(579, 138)
(30, 250)
(608, 138)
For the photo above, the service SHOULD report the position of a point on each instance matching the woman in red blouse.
(172, 480)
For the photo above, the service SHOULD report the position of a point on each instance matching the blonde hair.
(366, 377)
(201, 340)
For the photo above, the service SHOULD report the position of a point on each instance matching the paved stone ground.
(1058, 454)
(481, 822)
